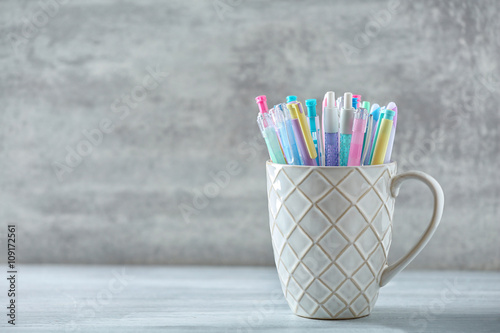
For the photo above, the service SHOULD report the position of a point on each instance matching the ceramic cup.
(331, 231)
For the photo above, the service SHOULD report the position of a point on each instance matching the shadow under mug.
(331, 230)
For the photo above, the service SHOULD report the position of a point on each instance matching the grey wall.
(437, 60)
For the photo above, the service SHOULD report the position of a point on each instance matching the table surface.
(237, 299)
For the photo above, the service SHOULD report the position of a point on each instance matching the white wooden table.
(236, 299)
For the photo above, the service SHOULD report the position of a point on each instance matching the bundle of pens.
(352, 134)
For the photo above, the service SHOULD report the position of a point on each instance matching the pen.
(303, 137)
(291, 98)
(324, 105)
(356, 101)
(383, 137)
(340, 103)
(330, 130)
(366, 141)
(391, 106)
(283, 123)
(375, 112)
(366, 105)
(358, 131)
(268, 131)
(346, 119)
(375, 137)
(314, 128)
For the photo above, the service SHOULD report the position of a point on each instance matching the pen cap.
(330, 99)
(311, 107)
(356, 101)
(392, 106)
(347, 100)
(324, 101)
(389, 114)
(331, 114)
(291, 98)
(293, 108)
(346, 115)
(366, 105)
(262, 103)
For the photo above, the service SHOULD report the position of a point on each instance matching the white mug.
(331, 231)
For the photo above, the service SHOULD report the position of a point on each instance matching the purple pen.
(331, 130)
(391, 106)
(299, 136)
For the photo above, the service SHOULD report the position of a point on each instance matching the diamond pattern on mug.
(377, 259)
(347, 313)
(299, 242)
(289, 258)
(297, 204)
(359, 305)
(284, 222)
(297, 175)
(332, 276)
(278, 239)
(302, 276)
(273, 170)
(371, 292)
(381, 222)
(382, 187)
(308, 305)
(322, 314)
(274, 198)
(353, 186)
(348, 291)
(294, 289)
(315, 224)
(334, 205)
(363, 276)
(333, 304)
(333, 243)
(372, 174)
(367, 242)
(283, 273)
(318, 291)
(283, 185)
(349, 260)
(369, 204)
(334, 175)
(352, 223)
(315, 259)
(315, 186)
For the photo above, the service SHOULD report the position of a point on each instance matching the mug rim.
(269, 162)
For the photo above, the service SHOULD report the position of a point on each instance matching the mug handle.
(390, 271)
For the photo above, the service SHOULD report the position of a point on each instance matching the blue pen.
(291, 98)
(283, 124)
(315, 128)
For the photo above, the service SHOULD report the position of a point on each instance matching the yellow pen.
(305, 143)
(383, 138)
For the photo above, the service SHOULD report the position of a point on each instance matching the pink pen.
(262, 103)
(358, 133)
